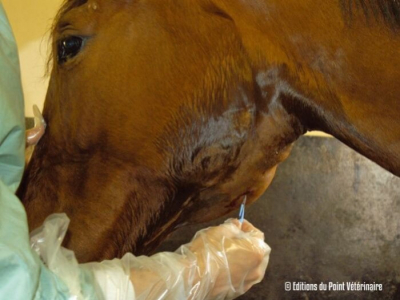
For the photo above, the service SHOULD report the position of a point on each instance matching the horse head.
(165, 112)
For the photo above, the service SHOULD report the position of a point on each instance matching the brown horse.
(163, 112)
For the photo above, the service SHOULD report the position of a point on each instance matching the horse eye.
(68, 48)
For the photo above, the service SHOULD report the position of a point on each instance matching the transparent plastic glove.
(34, 134)
(221, 262)
(234, 254)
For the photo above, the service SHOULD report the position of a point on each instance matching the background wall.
(31, 21)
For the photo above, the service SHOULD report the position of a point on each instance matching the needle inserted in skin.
(241, 211)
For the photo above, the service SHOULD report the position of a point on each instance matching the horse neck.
(337, 76)
(120, 214)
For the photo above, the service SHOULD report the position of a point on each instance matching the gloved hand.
(221, 262)
(234, 254)
(34, 134)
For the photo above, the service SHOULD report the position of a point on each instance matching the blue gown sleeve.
(22, 274)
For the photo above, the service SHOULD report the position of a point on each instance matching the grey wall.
(330, 215)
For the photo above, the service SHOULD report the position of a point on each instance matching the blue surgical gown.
(22, 274)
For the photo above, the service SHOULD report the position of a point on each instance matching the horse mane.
(387, 11)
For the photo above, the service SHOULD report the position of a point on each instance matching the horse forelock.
(387, 11)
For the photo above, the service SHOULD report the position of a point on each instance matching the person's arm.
(221, 262)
